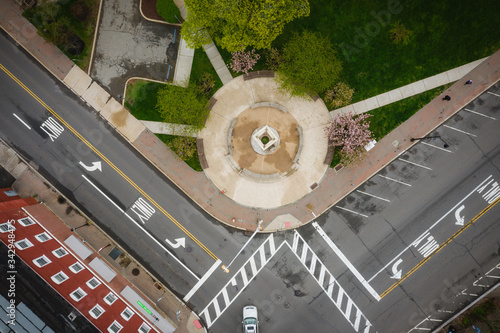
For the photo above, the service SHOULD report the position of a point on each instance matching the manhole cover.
(297, 292)
(234, 289)
(189, 249)
(286, 305)
(135, 272)
(278, 297)
(288, 284)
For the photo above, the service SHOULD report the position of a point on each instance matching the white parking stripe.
(22, 121)
(346, 261)
(456, 129)
(371, 195)
(352, 211)
(394, 180)
(428, 144)
(480, 114)
(493, 94)
(414, 164)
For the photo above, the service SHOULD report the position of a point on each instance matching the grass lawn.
(168, 10)
(193, 162)
(140, 99)
(446, 34)
(85, 30)
(201, 64)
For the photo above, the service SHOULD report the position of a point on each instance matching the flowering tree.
(350, 132)
(244, 61)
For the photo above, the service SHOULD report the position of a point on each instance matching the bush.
(80, 11)
(180, 105)
(273, 59)
(308, 66)
(168, 10)
(206, 83)
(243, 61)
(183, 146)
(399, 34)
(340, 95)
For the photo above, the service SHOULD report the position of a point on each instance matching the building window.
(43, 237)
(78, 294)
(59, 277)
(93, 283)
(26, 221)
(4, 227)
(76, 267)
(127, 314)
(96, 311)
(23, 244)
(110, 298)
(115, 327)
(60, 252)
(144, 328)
(41, 261)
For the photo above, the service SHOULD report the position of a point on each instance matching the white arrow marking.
(93, 167)
(178, 242)
(460, 219)
(395, 273)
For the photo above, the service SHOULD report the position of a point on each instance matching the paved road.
(332, 276)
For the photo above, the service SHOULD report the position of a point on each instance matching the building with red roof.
(43, 242)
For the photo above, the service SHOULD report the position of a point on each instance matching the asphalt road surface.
(402, 252)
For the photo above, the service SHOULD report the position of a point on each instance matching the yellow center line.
(455, 235)
(111, 164)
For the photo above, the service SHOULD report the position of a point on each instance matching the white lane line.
(202, 280)
(346, 261)
(351, 211)
(478, 113)
(428, 144)
(493, 94)
(432, 226)
(456, 129)
(371, 195)
(422, 166)
(140, 227)
(394, 180)
(15, 115)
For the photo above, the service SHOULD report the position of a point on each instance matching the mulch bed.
(148, 8)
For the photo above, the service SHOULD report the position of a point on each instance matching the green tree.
(180, 105)
(308, 65)
(234, 25)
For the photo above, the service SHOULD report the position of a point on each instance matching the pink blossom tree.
(350, 132)
(243, 61)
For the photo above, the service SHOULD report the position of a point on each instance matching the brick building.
(44, 243)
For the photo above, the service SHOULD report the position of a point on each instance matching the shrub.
(206, 83)
(399, 34)
(243, 61)
(80, 11)
(340, 95)
(273, 59)
(184, 147)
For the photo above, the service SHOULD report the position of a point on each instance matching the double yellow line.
(170, 217)
(455, 235)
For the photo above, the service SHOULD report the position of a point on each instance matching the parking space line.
(394, 180)
(352, 211)
(428, 144)
(346, 261)
(456, 129)
(493, 94)
(371, 195)
(478, 113)
(415, 164)
(22, 121)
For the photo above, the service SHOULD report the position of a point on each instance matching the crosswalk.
(330, 285)
(240, 280)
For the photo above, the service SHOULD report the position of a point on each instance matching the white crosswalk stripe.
(241, 279)
(333, 289)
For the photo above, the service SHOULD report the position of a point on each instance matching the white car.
(250, 319)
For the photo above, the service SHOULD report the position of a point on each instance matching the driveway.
(130, 46)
